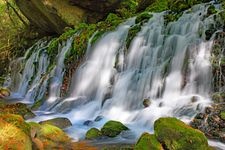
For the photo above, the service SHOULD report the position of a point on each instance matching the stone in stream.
(58, 122)
(113, 128)
(4, 92)
(93, 133)
(146, 102)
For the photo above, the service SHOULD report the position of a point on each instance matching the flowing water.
(167, 64)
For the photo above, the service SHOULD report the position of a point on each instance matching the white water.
(167, 64)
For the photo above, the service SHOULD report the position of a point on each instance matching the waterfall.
(166, 64)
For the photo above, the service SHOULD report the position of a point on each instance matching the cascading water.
(167, 64)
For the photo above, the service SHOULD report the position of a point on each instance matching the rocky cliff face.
(52, 16)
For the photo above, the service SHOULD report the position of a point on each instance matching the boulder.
(113, 128)
(93, 133)
(148, 142)
(49, 137)
(146, 103)
(18, 109)
(176, 135)
(58, 122)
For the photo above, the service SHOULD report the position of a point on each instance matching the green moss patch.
(93, 133)
(113, 128)
(176, 135)
(148, 142)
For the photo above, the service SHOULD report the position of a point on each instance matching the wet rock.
(113, 128)
(148, 142)
(4, 92)
(175, 135)
(146, 102)
(58, 122)
(98, 118)
(194, 99)
(88, 123)
(93, 133)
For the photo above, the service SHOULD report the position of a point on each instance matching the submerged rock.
(148, 142)
(176, 135)
(93, 133)
(58, 122)
(113, 128)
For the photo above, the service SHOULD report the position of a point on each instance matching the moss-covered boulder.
(11, 137)
(113, 128)
(58, 122)
(18, 109)
(176, 135)
(93, 133)
(49, 136)
(148, 142)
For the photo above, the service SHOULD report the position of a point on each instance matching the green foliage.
(127, 8)
(222, 115)
(113, 128)
(132, 33)
(93, 133)
(143, 17)
(158, 6)
(176, 135)
(171, 17)
(147, 142)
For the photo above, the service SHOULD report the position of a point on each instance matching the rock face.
(101, 6)
(52, 16)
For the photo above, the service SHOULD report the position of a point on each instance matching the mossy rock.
(18, 109)
(11, 137)
(113, 128)
(93, 133)
(4, 92)
(222, 115)
(176, 135)
(148, 142)
(58, 122)
(17, 121)
(50, 136)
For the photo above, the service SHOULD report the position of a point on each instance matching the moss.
(127, 8)
(218, 97)
(18, 109)
(143, 17)
(93, 133)
(17, 121)
(211, 10)
(222, 115)
(171, 17)
(37, 104)
(113, 128)
(176, 135)
(158, 6)
(148, 142)
(12, 137)
(132, 33)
